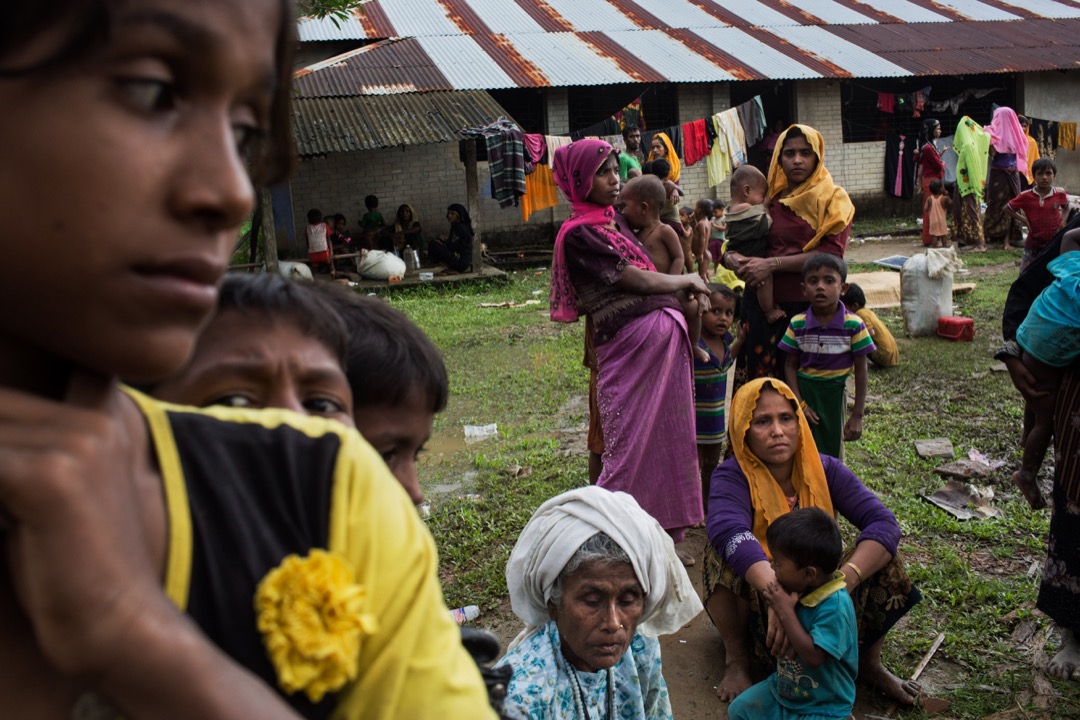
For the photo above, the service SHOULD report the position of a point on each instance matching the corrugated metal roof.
(845, 55)
(348, 124)
(498, 44)
(465, 63)
(975, 10)
(381, 19)
(755, 54)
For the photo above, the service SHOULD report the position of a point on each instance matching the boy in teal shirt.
(812, 604)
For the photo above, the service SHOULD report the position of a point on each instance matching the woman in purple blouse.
(775, 469)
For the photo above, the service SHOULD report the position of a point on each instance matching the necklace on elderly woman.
(581, 709)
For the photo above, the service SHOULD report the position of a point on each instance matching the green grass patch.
(514, 367)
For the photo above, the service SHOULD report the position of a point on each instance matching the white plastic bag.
(294, 270)
(381, 265)
(926, 290)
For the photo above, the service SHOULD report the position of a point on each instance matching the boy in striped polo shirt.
(825, 344)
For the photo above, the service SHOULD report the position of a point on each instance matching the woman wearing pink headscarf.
(644, 393)
(1008, 151)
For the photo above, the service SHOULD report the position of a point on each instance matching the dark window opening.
(596, 103)
(864, 121)
(526, 107)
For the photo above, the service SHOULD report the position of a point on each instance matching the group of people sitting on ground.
(328, 238)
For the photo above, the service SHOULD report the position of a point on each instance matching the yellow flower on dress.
(310, 613)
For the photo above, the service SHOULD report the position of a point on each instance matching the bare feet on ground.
(1065, 664)
(685, 558)
(736, 681)
(1029, 486)
(774, 315)
(701, 354)
(878, 677)
(974, 248)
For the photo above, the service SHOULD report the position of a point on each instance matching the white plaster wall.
(1056, 96)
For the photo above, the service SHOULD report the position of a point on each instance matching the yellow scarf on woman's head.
(672, 157)
(817, 200)
(807, 474)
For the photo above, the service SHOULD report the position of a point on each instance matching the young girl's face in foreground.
(143, 144)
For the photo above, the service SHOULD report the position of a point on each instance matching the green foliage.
(336, 10)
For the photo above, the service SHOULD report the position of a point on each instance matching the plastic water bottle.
(410, 258)
(463, 615)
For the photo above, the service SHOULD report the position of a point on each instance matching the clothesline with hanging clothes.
(506, 159)
(1050, 135)
(520, 163)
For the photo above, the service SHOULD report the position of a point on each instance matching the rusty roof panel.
(876, 14)
(627, 62)
(721, 58)
(835, 13)
(670, 57)
(848, 56)
(972, 61)
(566, 59)
(505, 16)
(465, 63)
(332, 125)
(752, 52)
(1049, 8)
(910, 11)
(680, 14)
(975, 10)
(592, 15)
(374, 69)
(753, 13)
(884, 39)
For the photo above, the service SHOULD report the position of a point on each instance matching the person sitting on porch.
(455, 250)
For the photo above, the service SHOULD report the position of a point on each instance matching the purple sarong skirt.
(645, 393)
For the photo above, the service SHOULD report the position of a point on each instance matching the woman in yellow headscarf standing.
(810, 214)
(661, 147)
(776, 468)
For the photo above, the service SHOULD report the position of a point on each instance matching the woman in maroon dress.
(928, 167)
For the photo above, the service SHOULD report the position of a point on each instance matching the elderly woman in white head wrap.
(596, 579)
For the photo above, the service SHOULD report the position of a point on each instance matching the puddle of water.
(468, 478)
(445, 488)
(441, 444)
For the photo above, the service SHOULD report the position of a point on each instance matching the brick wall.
(859, 168)
(428, 177)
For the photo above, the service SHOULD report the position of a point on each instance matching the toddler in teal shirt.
(811, 602)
